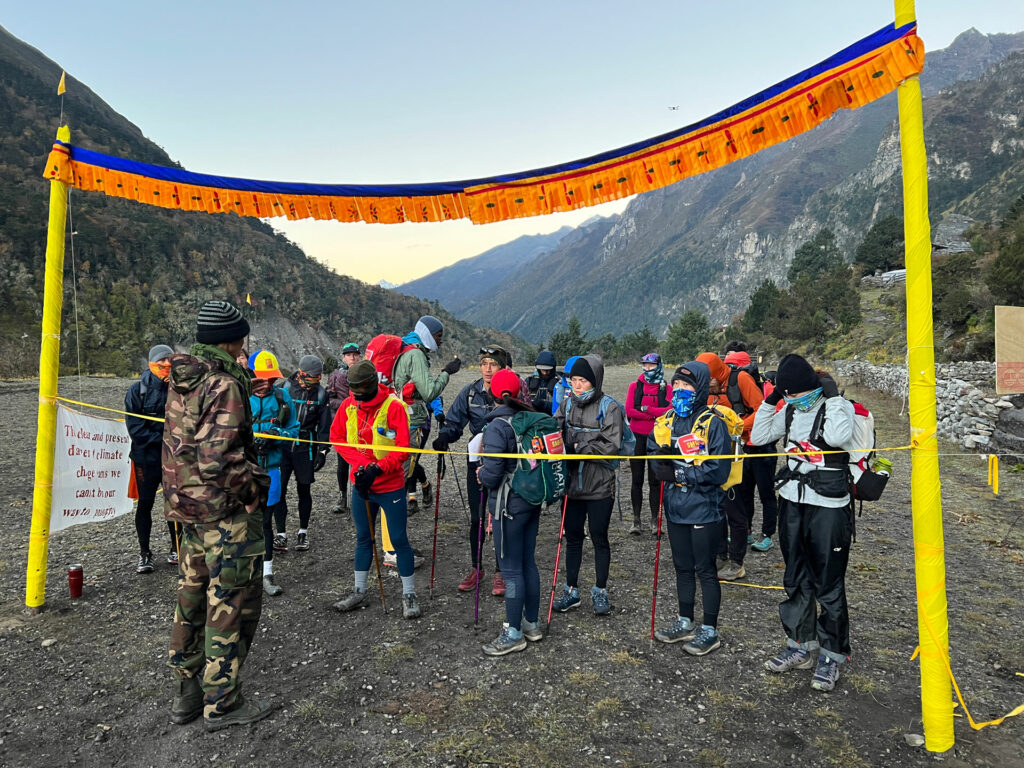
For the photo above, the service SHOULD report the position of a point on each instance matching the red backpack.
(383, 351)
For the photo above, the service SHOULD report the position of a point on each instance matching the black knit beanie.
(220, 322)
(682, 373)
(795, 375)
(582, 369)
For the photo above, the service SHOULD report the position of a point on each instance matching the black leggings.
(636, 469)
(305, 493)
(270, 511)
(693, 555)
(577, 512)
(732, 536)
(147, 478)
(477, 515)
(342, 476)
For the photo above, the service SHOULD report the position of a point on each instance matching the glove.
(319, 460)
(453, 367)
(440, 444)
(365, 478)
(272, 431)
(664, 471)
(441, 420)
(774, 397)
(829, 388)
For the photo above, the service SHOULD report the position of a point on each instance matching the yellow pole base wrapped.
(49, 368)
(929, 545)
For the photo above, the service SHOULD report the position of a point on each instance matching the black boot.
(188, 701)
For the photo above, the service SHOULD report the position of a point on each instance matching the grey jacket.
(591, 480)
(770, 425)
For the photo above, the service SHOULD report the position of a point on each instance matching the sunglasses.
(491, 350)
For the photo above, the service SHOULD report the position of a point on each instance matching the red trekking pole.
(558, 555)
(657, 560)
(437, 508)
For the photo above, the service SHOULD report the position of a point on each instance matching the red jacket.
(642, 422)
(392, 463)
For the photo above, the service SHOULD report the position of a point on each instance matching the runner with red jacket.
(646, 399)
(373, 417)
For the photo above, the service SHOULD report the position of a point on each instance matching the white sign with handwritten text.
(91, 470)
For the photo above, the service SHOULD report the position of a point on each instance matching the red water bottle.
(75, 580)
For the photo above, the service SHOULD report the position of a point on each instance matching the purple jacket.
(642, 422)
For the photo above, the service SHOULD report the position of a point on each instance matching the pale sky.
(342, 92)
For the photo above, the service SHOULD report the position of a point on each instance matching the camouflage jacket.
(210, 468)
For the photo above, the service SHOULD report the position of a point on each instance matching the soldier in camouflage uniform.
(214, 488)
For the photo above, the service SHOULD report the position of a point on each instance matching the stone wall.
(969, 411)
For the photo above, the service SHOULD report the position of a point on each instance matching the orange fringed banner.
(860, 74)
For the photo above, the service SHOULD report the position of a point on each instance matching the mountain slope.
(458, 285)
(143, 271)
(707, 242)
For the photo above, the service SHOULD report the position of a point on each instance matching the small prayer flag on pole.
(248, 299)
(62, 86)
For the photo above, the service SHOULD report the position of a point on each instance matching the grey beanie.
(311, 365)
(159, 352)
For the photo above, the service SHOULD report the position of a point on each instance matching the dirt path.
(381, 691)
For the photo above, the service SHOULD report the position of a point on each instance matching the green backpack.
(538, 482)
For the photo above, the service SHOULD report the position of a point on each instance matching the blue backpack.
(628, 445)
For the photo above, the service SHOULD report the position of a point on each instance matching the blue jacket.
(562, 386)
(696, 502)
(266, 411)
(147, 397)
(499, 437)
(470, 408)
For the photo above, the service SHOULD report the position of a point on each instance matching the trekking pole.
(558, 555)
(458, 485)
(657, 560)
(437, 507)
(479, 561)
(376, 559)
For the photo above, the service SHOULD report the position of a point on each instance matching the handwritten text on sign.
(91, 469)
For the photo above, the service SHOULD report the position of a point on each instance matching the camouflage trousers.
(220, 595)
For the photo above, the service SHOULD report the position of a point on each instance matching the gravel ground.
(84, 681)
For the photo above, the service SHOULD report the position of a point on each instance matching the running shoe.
(498, 584)
(280, 542)
(506, 643)
(790, 658)
(763, 545)
(731, 571)
(569, 598)
(468, 584)
(683, 630)
(302, 541)
(705, 641)
(145, 563)
(825, 674)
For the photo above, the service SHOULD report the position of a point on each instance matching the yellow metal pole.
(929, 546)
(49, 364)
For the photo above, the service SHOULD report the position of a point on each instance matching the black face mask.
(363, 395)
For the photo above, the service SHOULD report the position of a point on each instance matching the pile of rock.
(969, 411)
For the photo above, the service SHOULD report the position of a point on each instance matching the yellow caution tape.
(956, 687)
(534, 456)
